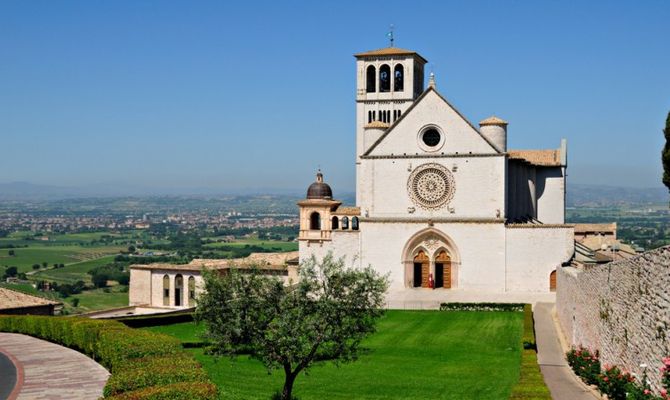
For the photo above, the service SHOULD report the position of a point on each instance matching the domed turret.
(319, 189)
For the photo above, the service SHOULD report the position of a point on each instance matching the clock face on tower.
(431, 186)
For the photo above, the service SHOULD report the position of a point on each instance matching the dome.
(319, 189)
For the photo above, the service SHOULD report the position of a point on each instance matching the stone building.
(176, 286)
(442, 206)
(13, 302)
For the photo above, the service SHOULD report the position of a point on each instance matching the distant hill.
(581, 195)
(578, 194)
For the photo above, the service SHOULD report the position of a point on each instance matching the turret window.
(371, 79)
(385, 78)
(315, 221)
(398, 78)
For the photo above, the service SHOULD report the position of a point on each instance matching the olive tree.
(324, 315)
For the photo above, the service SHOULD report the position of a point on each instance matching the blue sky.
(256, 95)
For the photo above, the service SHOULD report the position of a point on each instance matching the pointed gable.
(431, 110)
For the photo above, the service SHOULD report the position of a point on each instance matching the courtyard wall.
(621, 309)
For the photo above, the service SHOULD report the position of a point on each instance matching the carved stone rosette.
(431, 186)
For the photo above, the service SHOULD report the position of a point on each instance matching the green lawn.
(414, 355)
(97, 299)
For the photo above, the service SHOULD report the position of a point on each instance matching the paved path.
(562, 383)
(52, 372)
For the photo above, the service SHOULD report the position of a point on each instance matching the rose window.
(431, 186)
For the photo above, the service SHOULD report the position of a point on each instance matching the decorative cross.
(390, 34)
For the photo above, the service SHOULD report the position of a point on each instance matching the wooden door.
(444, 262)
(552, 281)
(421, 260)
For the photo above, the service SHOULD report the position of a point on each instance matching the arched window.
(315, 221)
(354, 223)
(398, 78)
(385, 78)
(335, 223)
(345, 223)
(369, 116)
(371, 78)
(178, 290)
(191, 291)
(374, 115)
(166, 290)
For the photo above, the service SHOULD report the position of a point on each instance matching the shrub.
(585, 364)
(138, 360)
(175, 391)
(665, 377)
(531, 384)
(481, 307)
(153, 371)
(614, 383)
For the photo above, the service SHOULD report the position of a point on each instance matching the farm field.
(414, 355)
(268, 245)
(25, 257)
(72, 272)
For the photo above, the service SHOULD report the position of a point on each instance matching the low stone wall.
(621, 309)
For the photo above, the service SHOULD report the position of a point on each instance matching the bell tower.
(388, 81)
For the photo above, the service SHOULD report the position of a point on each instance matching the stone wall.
(621, 309)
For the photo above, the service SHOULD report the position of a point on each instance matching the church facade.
(441, 205)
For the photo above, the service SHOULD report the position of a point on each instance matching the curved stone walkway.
(53, 372)
(561, 381)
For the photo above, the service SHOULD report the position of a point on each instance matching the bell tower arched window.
(345, 223)
(384, 78)
(354, 223)
(398, 78)
(335, 223)
(315, 221)
(371, 75)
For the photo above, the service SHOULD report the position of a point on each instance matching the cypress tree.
(666, 153)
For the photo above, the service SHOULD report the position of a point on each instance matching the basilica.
(442, 206)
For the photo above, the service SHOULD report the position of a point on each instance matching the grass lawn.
(414, 355)
(272, 245)
(97, 299)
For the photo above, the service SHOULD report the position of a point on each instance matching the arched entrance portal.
(431, 252)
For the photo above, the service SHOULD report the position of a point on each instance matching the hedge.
(140, 362)
(481, 307)
(141, 321)
(531, 383)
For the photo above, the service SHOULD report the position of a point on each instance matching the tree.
(100, 279)
(325, 314)
(131, 249)
(11, 253)
(44, 264)
(666, 153)
(36, 266)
